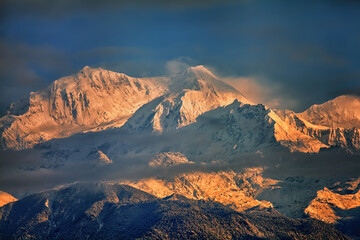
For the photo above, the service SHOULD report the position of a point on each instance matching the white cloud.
(255, 88)
(179, 64)
(261, 90)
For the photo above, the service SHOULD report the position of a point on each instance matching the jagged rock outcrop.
(339, 205)
(236, 190)
(324, 206)
(339, 138)
(6, 198)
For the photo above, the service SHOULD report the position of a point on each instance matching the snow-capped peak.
(192, 92)
(86, 68)
(89, 70)
(94, 99)
(201, 72)
(199, 78)
(343, 111)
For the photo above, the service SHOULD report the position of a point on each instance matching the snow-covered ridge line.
(98, 99)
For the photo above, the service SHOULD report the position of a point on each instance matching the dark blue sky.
(298, 52)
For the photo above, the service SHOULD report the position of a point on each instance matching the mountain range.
(179, 146)
(94, 100)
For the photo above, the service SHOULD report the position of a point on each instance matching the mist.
(21, 172)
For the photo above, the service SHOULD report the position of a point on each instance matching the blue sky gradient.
(309, 50)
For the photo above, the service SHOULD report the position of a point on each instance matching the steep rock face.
(193, 92)
(6, 198)
(236, 190)
(92, 100)
(117, 211)
(334, 204)
(346, 139)
(249, 189)
(339, 205)
(324, 206)
(341, 112)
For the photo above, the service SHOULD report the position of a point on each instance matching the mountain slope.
(248, 128)
(91, 100)
(218, 133)
(341, 112)
(193, 92)
(108, 211)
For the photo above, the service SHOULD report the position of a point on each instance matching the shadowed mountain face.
(84, 211)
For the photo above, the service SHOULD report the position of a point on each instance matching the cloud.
(260, 90)
(27, 171)
(179, 64)
(278, 165)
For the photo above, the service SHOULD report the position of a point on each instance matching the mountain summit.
(343, 111)
(200, 78)
(193, 92)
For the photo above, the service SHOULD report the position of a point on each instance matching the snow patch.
(98, 158)
(166, 159)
